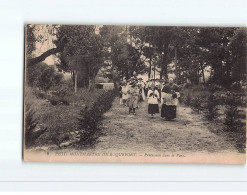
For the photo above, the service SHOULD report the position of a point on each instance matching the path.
(139, 133)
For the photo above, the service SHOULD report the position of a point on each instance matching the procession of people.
(162, 96)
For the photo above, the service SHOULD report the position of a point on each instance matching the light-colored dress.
(166, 98)
(133, 97)
(153, 99)
(125, 94)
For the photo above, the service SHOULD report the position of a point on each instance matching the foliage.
(238, 49)
(56, 100)
(91, 116)
(123, 56)
(211, 110)
(194, 96)
(31, 121)
(83, 53)
(43, 76)
(187, 99)
(30, 40)
(232, 121)
(197, 103)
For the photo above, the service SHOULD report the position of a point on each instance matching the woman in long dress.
(169, 102)
(153, 101)
(133, 97)
(125, 95)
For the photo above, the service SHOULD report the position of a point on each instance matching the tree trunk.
(211, 73)
(203, 76)
(92, 82)
(73, 77)
(75, 73)
(126, 74)
(164, 65)
(150, 68)
(176, 68)
(76, 79)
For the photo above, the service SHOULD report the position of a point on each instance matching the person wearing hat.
(141, 86)
(153, 101)
(133, 97)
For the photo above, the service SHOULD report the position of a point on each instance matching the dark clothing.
(120, 91)
(167, 88)
(153, 108)
(168, 111)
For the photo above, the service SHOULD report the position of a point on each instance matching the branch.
(49, 52)
(32, 61)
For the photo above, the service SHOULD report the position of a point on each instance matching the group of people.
(157, 92)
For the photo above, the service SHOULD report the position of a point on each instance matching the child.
(124, 92)
(153, 99)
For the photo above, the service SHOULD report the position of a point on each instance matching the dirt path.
(139, 133)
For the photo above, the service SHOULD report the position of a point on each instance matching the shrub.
(187, 85)
(187, 99)
(232, 122)
(90, 117)
(57, 139)
(214, 88)
(236, 86)
(56, 100)
(43, 76)
(39, 94)
(31, 121)
(196, 103)
(211, 110)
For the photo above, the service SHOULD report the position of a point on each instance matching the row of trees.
(121, 51)
(192, 49)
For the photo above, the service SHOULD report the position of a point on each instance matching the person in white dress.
(125, 93)
(153, 101)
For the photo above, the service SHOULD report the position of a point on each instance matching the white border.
(13, 15)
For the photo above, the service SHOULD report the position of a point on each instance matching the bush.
(187, 100)
(232, 122)
(214, 88)
(56, 100)
(196, 103)
(211, 110)
(236, 86)
(91, 116)
(39, 94)
(187, 85)
(193, 91)
(31, 121)
(43, 76)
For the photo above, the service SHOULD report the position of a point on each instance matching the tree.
(238, 50)
(83, 54)
(31, 40)
(215, 44)
(43, 76)
(123, 55)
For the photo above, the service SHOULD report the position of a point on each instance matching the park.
(64, 109)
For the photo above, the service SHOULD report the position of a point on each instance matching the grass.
(60, 120)
(198, 96)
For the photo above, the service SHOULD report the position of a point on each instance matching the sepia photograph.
(135, 94)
